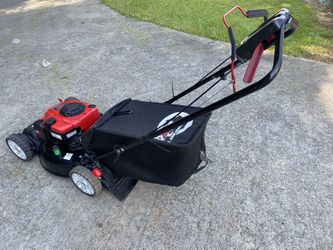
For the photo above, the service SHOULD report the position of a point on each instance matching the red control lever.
(253, 64)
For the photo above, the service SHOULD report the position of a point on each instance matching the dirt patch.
(325, 13)
(325, 19)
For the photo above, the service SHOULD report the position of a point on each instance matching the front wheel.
(20, 145)
(85, 181)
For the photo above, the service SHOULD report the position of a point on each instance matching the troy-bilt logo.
(169, 135)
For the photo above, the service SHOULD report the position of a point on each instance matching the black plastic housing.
(54, 164)
(169, 161)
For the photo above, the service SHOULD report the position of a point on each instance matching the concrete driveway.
(270, 185)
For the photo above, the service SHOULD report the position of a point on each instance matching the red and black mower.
(137, 140)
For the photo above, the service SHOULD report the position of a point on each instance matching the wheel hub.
(17, 150)
(83, 184)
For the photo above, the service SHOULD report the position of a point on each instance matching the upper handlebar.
(278, 55)
(266, 34)
(275, 30)
(286, 25)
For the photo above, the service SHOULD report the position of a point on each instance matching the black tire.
(85, 181)
(21, 147)
(72, 98)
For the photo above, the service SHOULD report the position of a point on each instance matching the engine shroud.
(71, 115)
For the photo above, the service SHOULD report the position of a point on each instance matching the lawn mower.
(139, 140)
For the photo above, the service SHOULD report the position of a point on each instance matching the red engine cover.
(65, 124)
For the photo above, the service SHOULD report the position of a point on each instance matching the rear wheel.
(85, 181)
(20, 145)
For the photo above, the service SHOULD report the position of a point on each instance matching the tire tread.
(24, 143)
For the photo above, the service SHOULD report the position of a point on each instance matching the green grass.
(202, 17)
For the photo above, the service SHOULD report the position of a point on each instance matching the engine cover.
(69, 116)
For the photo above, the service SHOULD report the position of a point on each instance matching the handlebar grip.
(257, 13)
(233, 43)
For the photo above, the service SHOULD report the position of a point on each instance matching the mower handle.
(228, 99)
(269, 77)
(233, 97)
(284, 25)
(265, 34)
(253, 46)
(287, 25)
(283, 20)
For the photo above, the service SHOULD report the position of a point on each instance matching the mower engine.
(68, 118)
(56, 136)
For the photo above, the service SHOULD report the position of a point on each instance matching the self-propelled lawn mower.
(137, 140)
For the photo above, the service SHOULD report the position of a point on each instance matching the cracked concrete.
(270, 184)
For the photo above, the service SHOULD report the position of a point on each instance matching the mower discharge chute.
(137, 140)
